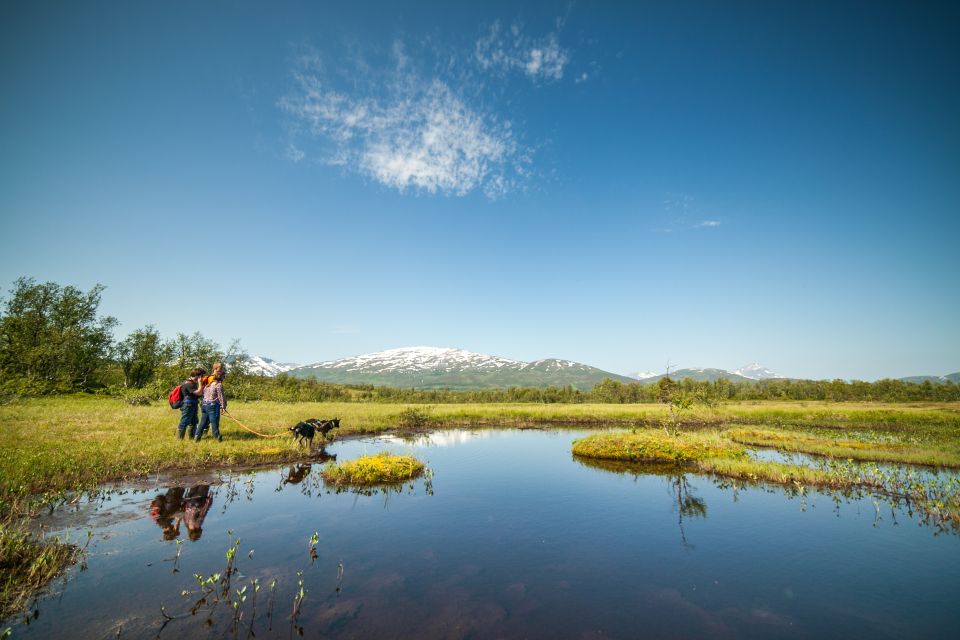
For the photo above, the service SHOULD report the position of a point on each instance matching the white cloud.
(707, 223)
(504, 51)
(406, 132)
(295, 154)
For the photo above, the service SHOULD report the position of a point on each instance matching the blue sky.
(705, 183)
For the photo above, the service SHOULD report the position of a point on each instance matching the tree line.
(53, 340)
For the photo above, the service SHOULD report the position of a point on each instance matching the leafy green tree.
(140, 356)
(51, 338)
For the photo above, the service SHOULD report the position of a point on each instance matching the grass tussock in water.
(383, 468)
(652, 445)
(786, 474)
(28, 565)
(942, 454)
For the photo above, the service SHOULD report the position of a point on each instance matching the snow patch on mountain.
(419, 359)
(263, 366)
(756, 371)
(642, 375)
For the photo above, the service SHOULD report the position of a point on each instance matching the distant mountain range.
(952, 377)
(433, 367)
(436, 368)
(747, 373)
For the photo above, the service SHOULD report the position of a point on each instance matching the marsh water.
(510, 537)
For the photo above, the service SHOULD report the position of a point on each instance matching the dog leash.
(262, 435)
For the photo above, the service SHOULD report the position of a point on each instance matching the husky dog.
(305, 430)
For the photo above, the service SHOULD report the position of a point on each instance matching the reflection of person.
(191, 391)
(195, 507)
(213, 403)
(166, 511)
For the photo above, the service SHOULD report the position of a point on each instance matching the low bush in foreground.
(383, 468)
(656, 446)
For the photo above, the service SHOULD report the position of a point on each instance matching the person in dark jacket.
(191, 390)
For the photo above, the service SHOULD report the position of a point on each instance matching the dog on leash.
(307, 429)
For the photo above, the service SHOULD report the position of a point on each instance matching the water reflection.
(686, 502)
(522, 541)
(167, 511)
(296, 474)
(180, 505)
(437, 438)
(928, 495)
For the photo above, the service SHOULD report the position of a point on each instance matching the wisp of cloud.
(405, 131)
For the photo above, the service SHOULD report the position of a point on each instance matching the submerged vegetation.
(382, 468)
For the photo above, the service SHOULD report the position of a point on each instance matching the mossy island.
(379, 469)
(650, 445)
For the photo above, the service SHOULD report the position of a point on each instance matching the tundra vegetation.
(382, 468)
(721, 453)
(79, 408)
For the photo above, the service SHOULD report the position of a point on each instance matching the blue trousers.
(210, 415)
(188, 418)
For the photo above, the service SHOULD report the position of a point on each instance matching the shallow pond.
(510, 537)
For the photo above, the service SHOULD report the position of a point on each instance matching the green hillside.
(544, 373)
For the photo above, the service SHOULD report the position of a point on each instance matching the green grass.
(941, 453)
(27, 565)
(785, 474)
(657, 446)
(382, 468)
(722, 454)
(53, 445)
(712, 452)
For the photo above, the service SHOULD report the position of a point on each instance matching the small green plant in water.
(382, 468)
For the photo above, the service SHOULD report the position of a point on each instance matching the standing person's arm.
(221, 398)
(197, 391)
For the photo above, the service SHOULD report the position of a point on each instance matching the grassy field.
(50, 447)
(942, 452)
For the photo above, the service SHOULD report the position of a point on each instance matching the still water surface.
(512, 538)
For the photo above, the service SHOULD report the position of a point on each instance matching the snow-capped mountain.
(756, 371)
(749, 373)
(436, 367)
(418, 359)
(262, 366)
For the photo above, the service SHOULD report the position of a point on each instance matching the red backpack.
(176, 397)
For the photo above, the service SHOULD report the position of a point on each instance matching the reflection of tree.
(688, 505)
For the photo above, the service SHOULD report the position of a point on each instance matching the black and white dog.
(305, 430)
